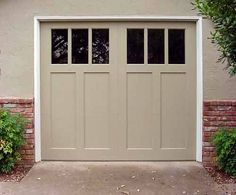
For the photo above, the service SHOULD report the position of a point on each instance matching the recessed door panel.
(63, 114)
(139, 111)
(97, 110)
(173, 89)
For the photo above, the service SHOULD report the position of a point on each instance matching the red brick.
(29, 151)
(219, 113)
(28, 147)
(208, 149)
(29, 126)
(214, 123)
(25, 101)
(28, 157)
(207, 159)
(219, 102)
(225, 108)
(207, 144)
(207, 134)
(206, 139)
(9, 105)
(28, 131)
(30, 141)
(206, 153)
(17, 110)
(28, 161)
(28, 115)
(210, 103)
(230, 123)
(28, 136)
(213, 155)
(219, 118)
(24, 105)
(208, 164)
(212, 129)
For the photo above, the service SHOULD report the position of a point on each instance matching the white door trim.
(199, 72)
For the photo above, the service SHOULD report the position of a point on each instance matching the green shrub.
(225, 143)
(12, 128)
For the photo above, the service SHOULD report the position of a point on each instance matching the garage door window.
(59, 46)
(80, 46)
(135, 46)
(100, 43)
(156, 49)
(176, 46)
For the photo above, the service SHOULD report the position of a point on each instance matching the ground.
(103, 178)
(17, 174)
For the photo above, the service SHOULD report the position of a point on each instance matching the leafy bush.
(11, 139)
(223, 15)
(225, 143)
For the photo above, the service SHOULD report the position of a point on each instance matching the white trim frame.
(199, 106)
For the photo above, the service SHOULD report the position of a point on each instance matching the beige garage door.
(118, 90)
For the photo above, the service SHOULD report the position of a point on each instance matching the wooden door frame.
(199, 64)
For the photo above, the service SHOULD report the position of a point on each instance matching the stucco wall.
(16, 38)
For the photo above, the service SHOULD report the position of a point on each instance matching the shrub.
(11, 139)
(225, 143)
(223, 15)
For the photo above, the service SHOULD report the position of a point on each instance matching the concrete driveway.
(102, 178)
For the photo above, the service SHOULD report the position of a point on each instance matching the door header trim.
(117, 18)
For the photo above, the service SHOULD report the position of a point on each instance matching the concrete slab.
(102, 178)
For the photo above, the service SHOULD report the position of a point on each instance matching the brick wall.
(216, 114)
(25, 107)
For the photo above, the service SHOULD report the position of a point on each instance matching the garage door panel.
(97, 110)
(173, 110)
(139, 110)
(119, 99)
(63, 115)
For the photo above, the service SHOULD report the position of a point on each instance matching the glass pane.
(100, 42)
(79, 46)
(59, 46)
(135, 46)
(156, 46)
(176, 46)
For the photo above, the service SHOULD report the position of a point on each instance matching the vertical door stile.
(80, 109)
(156, 109)
(145, 46)
(122, 90)
(114, 59)
(90, 46)
(166, 47)
(69, 46)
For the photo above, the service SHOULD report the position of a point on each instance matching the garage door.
(118, 90)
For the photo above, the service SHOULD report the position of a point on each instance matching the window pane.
(100, 41)
(79, 46)
(135, 46)
(156, 46)
(59, 46)
(176, 46)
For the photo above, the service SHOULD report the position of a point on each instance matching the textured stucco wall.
(16, 38)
